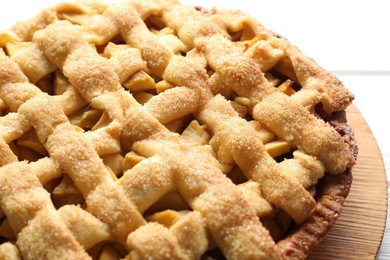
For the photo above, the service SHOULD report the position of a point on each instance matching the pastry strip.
(307, 132)
(31, 213)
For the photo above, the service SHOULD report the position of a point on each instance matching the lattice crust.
(154, 129)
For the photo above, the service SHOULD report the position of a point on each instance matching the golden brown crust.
(308, 133)
(331, 194)
(96, 102)
(40, 230)
(311, 76)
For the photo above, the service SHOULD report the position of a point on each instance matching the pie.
(155, 130)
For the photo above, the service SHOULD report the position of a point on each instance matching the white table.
(346, 37)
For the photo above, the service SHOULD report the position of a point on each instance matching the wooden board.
(358, 232)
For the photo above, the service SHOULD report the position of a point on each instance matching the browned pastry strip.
(31, 213)
(332, 194)
(175, 239)
(26, 29)
(229, 218)
(9, 251)
(87, 229)
(100, 192)
(33, 63)
(6, 154)
(311, 76)
(179, 101)
(10, 72)
(159, 184)
(233, 70)
(135, 32)
(310, 134)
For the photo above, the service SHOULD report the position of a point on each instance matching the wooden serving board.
(358, 232)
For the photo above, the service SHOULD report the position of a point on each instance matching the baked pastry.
(152, 129)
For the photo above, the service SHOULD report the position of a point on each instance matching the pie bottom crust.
(332, 191)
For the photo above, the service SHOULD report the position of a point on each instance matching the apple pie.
(150, 129)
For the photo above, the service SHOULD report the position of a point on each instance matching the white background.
(349, 38)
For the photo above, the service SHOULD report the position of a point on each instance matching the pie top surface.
(152, 129)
